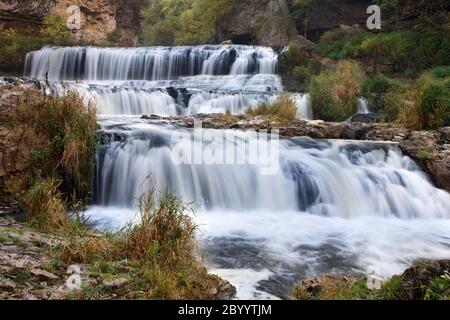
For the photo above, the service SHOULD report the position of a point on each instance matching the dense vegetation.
(60, 134)
(403, 70)
(174, 22)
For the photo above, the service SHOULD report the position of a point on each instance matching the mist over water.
(331, 207)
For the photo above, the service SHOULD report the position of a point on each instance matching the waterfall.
(155, 63)
(336, 179)
(363, 106)
(326, 207)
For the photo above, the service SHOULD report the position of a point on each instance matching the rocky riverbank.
(30, 269)
(428, 280)
(430, 149)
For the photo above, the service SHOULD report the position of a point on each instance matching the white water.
(363, 106)
(333, 206)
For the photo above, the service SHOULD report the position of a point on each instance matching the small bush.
(440, 72)
(292, 58)
(334, 93)
(378, 84)
(54, 27)
(426, 105)
(284, 109)
(341, 44)
(439, 288)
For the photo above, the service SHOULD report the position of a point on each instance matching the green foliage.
(409, 52)
(175, 22)
(334, 93)
(440, 72)
(378, 84)
(298, 63)
(439, 288)
(54, 27)
(341, 44)
(292, 58)
(70, 128)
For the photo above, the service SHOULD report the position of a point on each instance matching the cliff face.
(269, 22)
(329, 14)
(254, 22)
(100, 19)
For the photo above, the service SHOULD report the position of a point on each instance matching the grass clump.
(155, 255)
(426, 105)
(283, 109)
(62, 134)
(334, 93)
(45, 207)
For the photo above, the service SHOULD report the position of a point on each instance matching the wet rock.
(225, 291)
(364, 118)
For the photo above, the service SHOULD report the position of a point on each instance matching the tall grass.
(64, 131)
(159, 249)
(45, 207)
(283, 109)
(334, 92)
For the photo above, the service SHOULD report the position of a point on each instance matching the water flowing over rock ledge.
(431, 149)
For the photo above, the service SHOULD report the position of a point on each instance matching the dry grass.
(159, 251)
(45, 208)
(334, 93)
(284, 109)
(64, 129)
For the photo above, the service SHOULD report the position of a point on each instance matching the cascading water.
(330, 206)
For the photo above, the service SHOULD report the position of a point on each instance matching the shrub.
(440, 72)
(69, 126)
(58, 137)
(341, 44)
(284, 109)
(334, 93)
(378, 84)
(54, 27)
(406, 51)
(291, 58)
(427, 104)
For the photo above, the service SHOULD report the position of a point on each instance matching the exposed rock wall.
(270, 23)
(329, 14)
(254, 22)
(101, 20)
